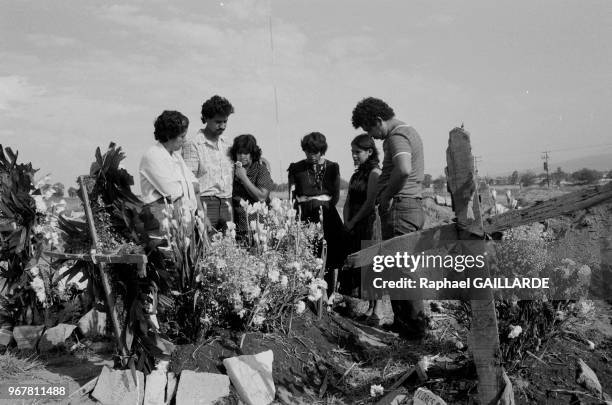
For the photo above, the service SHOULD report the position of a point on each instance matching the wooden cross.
(100, 260)
(484, 339)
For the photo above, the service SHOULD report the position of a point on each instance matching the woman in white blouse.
(164, 177)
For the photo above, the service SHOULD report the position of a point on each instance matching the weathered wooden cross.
(100, 260)
(461, 177)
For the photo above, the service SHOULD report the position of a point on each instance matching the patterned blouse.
(259, 175)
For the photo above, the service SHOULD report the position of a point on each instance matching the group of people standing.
(207, 172)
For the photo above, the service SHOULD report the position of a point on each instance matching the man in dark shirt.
(399, 186)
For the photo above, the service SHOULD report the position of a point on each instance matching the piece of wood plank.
(540, 211)
(100, 258)
(437, 237)
(415, 242)
(484, 338)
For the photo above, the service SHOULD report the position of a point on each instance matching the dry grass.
(11, 365)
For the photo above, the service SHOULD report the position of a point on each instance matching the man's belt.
(214, 197)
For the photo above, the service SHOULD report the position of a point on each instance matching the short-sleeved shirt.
(211, 164)
(165, 175)
(403, 139)
(259, 175)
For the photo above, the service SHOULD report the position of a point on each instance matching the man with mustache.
(206, 154)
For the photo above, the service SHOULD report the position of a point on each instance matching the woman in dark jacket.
(316, 189)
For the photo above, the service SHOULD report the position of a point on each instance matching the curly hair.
(170, 125)
(216, 105)
(314, 142)
(365, 142)
(245, 144)
(367, 110)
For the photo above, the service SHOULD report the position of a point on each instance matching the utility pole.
(545, 158)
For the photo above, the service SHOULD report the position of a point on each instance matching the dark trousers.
(404, 216)
(218, 211)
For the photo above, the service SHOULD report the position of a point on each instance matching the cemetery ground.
(338, 358)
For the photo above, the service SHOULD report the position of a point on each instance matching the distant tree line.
(529, 178)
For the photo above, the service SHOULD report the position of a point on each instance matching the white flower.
(244, 203)
(284, 281)
(280, 234)
(591, 345)
(305, 275)
(584, 307)
(315, 295)
(560, 315)
(300, 306)
(34, 271)
(258, 320)
(38, 285)
(315, 289)
(251, 292)
(276, 204)
(515, 331)
(253, 225)
(230, 226)
(49, 193)
(41, 206)
(376, 390)
(426, 362)
(273, 275)
(318, 263)
(459, 345)
(297, 266)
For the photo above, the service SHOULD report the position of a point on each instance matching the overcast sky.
(524, 76)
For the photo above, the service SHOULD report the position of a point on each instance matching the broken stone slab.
(587, 378)
(423, 396)
(55, 336)
(201, 388)
(171, 387)
(251, 375)
(6, 336)
(155, 388)
(93, 323)
(27, 336)
(119, 387)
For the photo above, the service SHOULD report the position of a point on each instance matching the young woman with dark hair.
(252, 181)
(359, 205)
